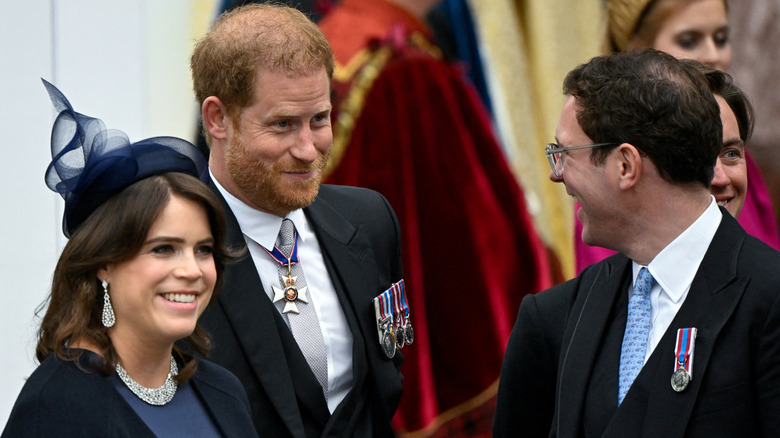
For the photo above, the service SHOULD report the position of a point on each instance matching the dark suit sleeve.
(393, 235)
(526, 390)
(749, 346)
(385, 235)
(372, 264)
(376, 215)
(396, 267)
(767, 384)
(225, 398)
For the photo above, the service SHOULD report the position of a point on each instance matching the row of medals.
(393, 340)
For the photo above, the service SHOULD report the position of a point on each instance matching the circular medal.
(400, 338)
(291, 294)
(409, 333)
(388, 343)
(680, 379)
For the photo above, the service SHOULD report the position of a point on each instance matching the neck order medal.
(290, 294)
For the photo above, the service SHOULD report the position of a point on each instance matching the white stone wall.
(123, 61)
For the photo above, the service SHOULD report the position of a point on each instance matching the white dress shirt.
(260, 228)
(673, 269)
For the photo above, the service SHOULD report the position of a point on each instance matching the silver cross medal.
(290, 293)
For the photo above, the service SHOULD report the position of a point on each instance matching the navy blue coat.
(59, 399)
(559, 376)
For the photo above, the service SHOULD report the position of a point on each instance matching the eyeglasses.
(555, 154)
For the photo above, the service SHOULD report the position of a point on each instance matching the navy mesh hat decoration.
(90, 163)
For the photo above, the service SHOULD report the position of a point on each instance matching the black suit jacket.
(360, 240)
(560, 372)
(61, 400)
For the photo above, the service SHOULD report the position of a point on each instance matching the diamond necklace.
(153, 396)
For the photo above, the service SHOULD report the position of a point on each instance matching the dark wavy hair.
(722, 84)
(114, 233)
(657, 103)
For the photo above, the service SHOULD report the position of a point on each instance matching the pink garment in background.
(757, 218)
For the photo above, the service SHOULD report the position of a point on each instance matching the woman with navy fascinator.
(145, 257)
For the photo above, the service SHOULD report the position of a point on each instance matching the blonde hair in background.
(622, 18)
(634, 24)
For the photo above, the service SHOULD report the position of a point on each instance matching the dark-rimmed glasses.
(555, 154)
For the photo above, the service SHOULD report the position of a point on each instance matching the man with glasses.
(555, 154)
(611, 352)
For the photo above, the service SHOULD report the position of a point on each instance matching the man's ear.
(215, 118)
(630, 165)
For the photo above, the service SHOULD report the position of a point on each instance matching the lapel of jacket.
(712, 299)
(348, 256)
(252, 314)
(597, 291)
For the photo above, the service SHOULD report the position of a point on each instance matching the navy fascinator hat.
(90, 164)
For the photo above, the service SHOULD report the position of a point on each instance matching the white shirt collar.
(676, 265)
(258, 225)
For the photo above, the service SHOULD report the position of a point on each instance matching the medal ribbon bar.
(684, 348)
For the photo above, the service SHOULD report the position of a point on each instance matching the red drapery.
(410, 127)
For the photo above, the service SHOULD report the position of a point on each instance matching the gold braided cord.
(344, 73)
(421, 42)
(529, 46)
(453, 413)
(353, 103)
(365, 67)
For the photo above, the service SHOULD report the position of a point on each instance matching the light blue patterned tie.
(632, 354)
